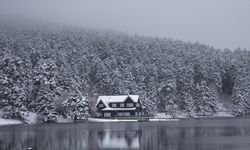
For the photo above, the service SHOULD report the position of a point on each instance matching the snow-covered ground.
(223, 112)
(162, 115)
(9, 121)
(216, 115)
(162, 119)
(109, 120)
(128, 120)
(31, 119)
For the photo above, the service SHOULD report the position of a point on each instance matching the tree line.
(60, 71)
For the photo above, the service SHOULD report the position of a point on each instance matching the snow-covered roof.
(116, 99)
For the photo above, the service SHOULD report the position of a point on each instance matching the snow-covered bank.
(110, 120)
(63, 120)
(31, 119)
(130, 120)
(216, 115)
(182, 115)
(162, 119)
(9, 121)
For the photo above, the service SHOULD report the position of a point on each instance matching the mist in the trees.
(47, 70)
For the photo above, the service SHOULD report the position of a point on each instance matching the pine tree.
(188, 103)
(13, 95)
(185, 88)
(46, 90)
(205, 99)
(241, 93)
(76, 107)
(167, 94)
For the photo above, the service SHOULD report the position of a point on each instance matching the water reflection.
(196, 135)
(109, 139)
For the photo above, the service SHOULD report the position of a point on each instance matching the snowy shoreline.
(7, 122)
(158, 117)
(4, 122)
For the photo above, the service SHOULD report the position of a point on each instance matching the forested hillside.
(61, 71)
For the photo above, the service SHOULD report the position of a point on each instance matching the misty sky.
(219, 23)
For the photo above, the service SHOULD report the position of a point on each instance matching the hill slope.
(42, 68)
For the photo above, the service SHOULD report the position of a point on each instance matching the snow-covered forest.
(60, 71)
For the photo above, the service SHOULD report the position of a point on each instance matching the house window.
(114, 105)
(138, 113)
(107, 114)
(122, 105)
(138, 105)
(101, 105)
(130, 105)
(123, 114)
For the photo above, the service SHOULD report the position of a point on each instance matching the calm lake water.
(215, 134)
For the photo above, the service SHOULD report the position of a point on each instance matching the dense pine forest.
(60, 71)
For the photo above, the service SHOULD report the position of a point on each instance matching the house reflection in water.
(108, 139)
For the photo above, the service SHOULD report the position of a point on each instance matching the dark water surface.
(216, 134)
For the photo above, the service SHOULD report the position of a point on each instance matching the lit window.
(130, 105)
(114, 105)
(122, 105)
(138, 105)
(101, 105)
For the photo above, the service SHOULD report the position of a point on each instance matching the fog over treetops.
(222, 24)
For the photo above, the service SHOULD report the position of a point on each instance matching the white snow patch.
(9, 121)
(109, 120)
(161, 119)
(223, 114)
(128, 120)
(162, 115)
(181, 115)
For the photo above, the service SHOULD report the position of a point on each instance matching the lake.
(208, 134)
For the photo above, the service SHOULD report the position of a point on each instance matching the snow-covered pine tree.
(241, 93)
(13, 95)
(116, 82)
(185, 88)
(76, 107)
(167, 94)
(206, 100)
(241, 106)
(46, 90)
(188, 103)
(46, 107)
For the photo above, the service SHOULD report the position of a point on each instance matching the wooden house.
(119, 106)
